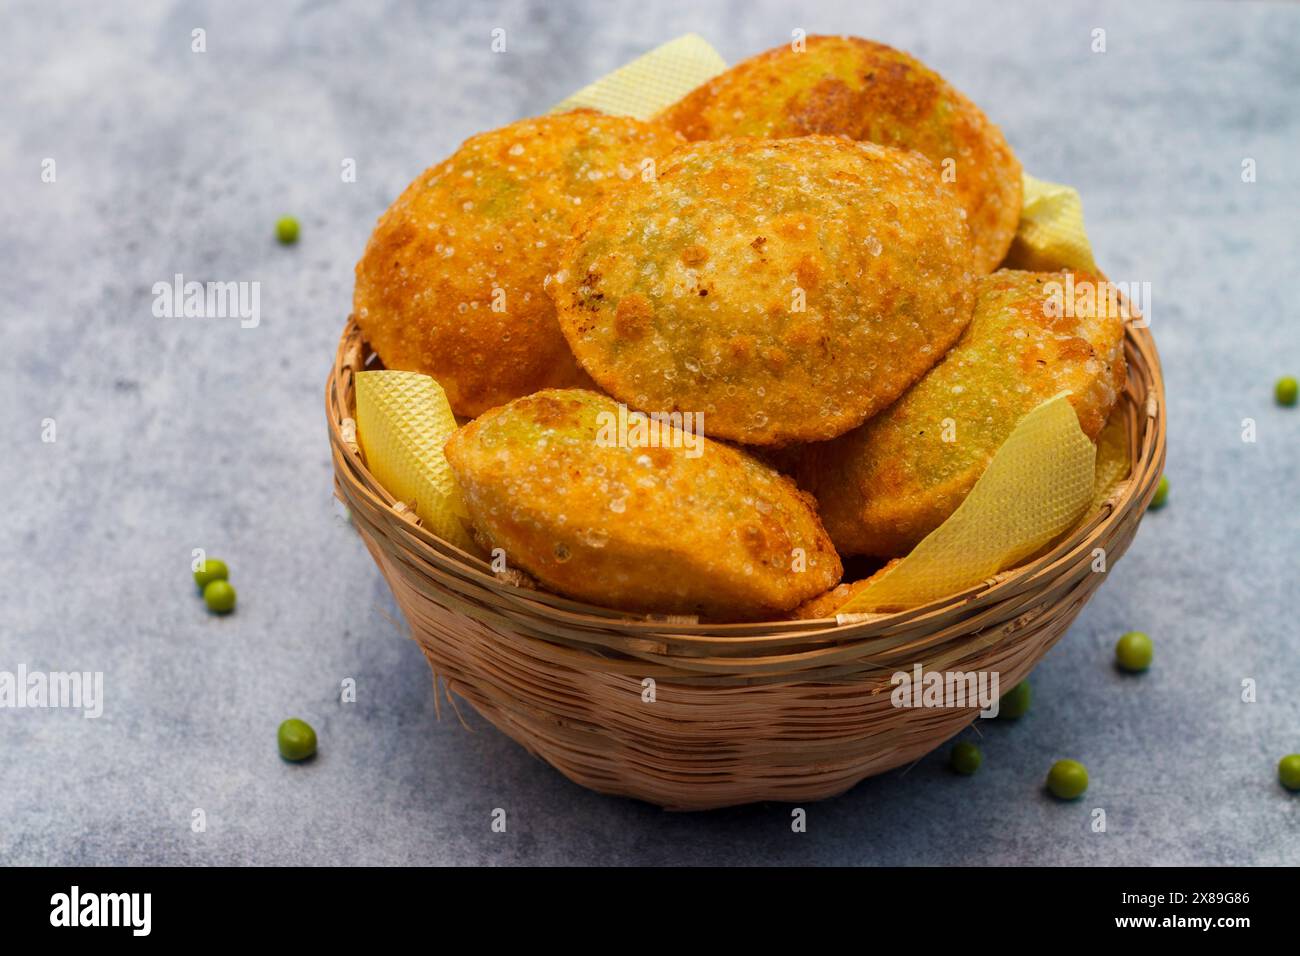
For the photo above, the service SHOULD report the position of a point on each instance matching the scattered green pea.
(1015, 702)
(286, 230)
(965, 758)
(1286, 390)
(212, 570)
(1288, 771)
(1161, 495)
(219, 596)
(296, 739)
(1067, 779)
(1133, 651)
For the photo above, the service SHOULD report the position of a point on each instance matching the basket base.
(694, 747)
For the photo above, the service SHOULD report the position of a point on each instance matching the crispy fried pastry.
(883, 487)
(608, 513)
(846, 86)
(829, 604)
(787, 289)
(451, 281)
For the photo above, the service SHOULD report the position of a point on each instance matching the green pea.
(296, 739)
(1286, 390)
(1133, 651)
(965, 758)
(1067, 779)
(219, 596)
(1288, 771)
(286, 230)
(1161, 495)
(1015, 702)
(211, 570)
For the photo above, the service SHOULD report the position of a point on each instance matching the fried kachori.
(883, 487)
(786, 289)
(451, 281)
(846, 86)
(609, 513)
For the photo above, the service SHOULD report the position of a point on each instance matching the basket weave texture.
(787, 710)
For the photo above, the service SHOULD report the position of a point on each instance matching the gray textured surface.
(176, 433)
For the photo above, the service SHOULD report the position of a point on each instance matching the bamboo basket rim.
(821, 649)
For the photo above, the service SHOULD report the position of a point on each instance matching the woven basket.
(789, 710)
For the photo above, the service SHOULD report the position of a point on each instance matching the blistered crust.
(883, 487)
(786, 289)
(846, 86)
(451, 282)
(651, 528)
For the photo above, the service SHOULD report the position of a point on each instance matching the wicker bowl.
(788, 710)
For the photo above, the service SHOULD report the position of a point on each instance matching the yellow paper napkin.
(1036, 487)
(650, 82)
(403, 422)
